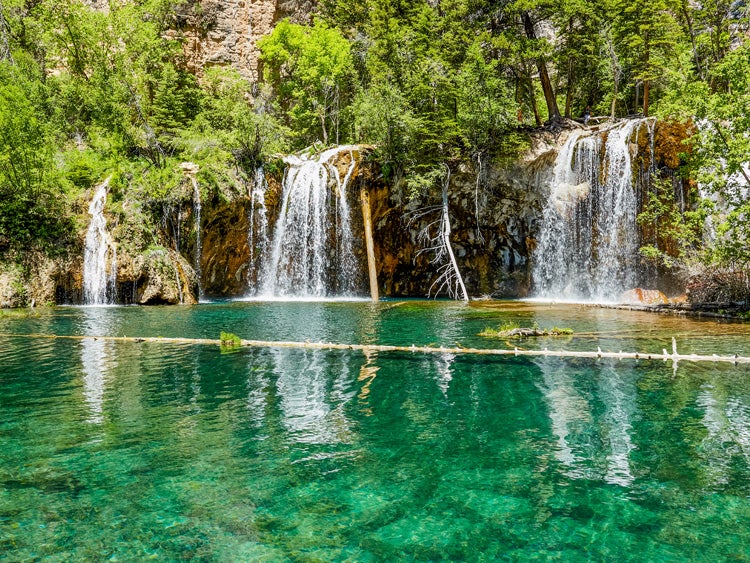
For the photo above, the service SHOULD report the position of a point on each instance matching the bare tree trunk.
(614, 101)
(323, 126)
(370, 245)
(435, 236)
(569, 85)
(446, 233)
(646, 81)
(553, 112)
(616, 70)
(691, 31)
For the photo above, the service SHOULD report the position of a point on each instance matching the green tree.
(648, 32)
(31, 191)
(312, 70)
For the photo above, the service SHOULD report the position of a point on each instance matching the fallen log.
(674, 356)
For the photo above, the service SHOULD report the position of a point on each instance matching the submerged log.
(370, 348)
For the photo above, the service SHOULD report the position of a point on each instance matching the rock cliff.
(226, 32)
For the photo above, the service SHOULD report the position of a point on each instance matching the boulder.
(640, 296)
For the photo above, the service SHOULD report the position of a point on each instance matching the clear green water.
(128, 451)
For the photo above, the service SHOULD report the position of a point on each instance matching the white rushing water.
(257, 235)
(311, 253)
(588, 241)
(198, 237)
(99, 255)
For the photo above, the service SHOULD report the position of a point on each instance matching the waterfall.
(311, 253)
(198, 239)
(589, 238)
(257, 234)
(348, 268)
(99, 255)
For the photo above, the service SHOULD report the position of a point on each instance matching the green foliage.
(678, 234)
(229, 342)
(382, 116)
(312, 71)
(87, 94)
(244, 131)
(31, 193)
(720, 148)
(514, 330)
(483, 114)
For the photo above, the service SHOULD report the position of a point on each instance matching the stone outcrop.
(492, 247)
(158, 276)
(30, 279)
(493, 222)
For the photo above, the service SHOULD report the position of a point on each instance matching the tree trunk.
(323, 126)
(446, 233)
(615, 67)
(614, 101)
(691, 32)
(370, 245)
(569, 85)
(549, 94)
(646, 81)
(532, 100)
(569, 91)
(5, 53)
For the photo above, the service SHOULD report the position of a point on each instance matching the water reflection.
(727, 422)
(570, 416)
(258, 385)
(618, 393)
(311, 399)
(367, 374)
(586, 450)
(444, 326)
(97, 358)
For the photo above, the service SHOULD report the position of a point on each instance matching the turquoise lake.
(127, 451)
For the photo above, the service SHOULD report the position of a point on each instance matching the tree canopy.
(87, 93)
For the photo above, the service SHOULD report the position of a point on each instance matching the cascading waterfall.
(257, 235)
(311, 254)
(589, 238)
(99, 255)
(347, 269)
(198, 239)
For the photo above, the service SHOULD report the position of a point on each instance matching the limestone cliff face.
(226, 32)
